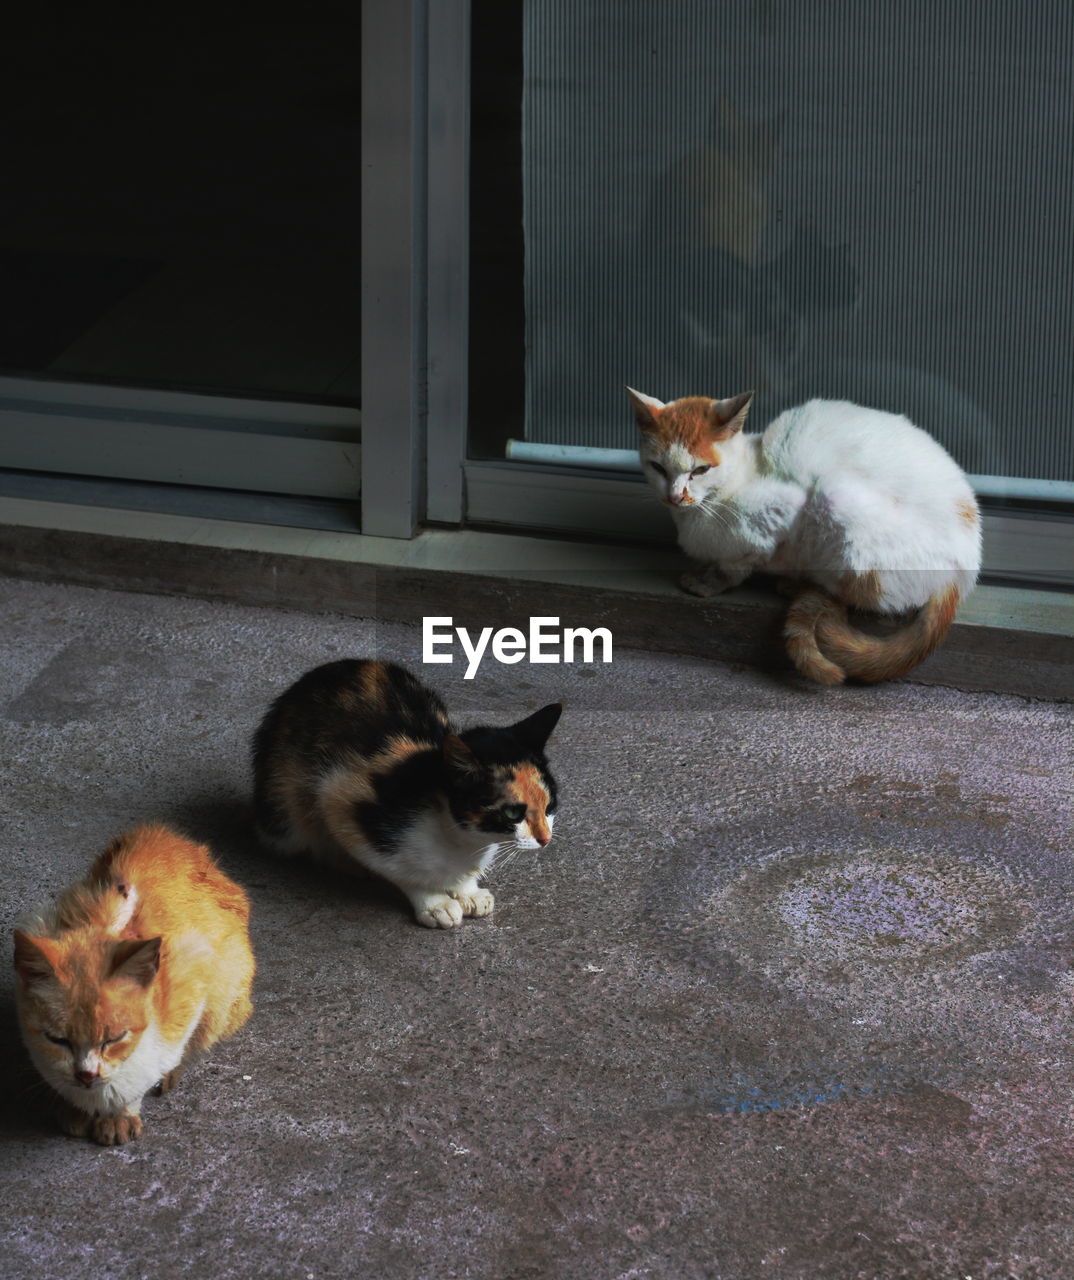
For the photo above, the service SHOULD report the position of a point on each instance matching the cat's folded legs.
(107, 1130)
(446, 908)
(712, 579)
(474, 900)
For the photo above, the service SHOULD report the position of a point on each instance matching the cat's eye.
(514, 812)
(700, 471)
(658, 469)
(60, 1040)
(114, 1039)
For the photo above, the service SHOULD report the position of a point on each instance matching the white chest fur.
(434, 851)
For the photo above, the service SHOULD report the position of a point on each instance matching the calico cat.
(859, 507)
(144, 963)
(358, 763)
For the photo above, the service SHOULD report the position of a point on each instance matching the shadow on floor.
(26, 1102)
(226, 824)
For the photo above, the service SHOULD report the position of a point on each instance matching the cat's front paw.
(474, 902)
(114, 1131)
(437, 910)
(701, 584)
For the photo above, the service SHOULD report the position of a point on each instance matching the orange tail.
(824, 646)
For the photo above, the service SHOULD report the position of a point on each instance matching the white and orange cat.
(857, 507)
(136, 968)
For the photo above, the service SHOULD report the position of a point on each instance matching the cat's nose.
(542, 840)
(85, 1077)
(677, 499)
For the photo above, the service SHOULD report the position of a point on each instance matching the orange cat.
(144, 963)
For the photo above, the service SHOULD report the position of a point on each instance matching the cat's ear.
(536, 729)
(459, 756)
(33, 961)
(728, 416)
(137, 960)
(646, 409)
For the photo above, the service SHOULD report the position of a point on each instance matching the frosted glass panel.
(818, 198)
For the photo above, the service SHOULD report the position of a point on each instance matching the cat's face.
(500, 783)
(689, 448)
(83, 1003)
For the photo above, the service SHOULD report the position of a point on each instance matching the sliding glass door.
(180, 249)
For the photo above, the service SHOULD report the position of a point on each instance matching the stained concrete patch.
(876, 907)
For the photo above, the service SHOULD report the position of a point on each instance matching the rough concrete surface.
(788, 995)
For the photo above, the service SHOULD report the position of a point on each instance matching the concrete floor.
(787, 996)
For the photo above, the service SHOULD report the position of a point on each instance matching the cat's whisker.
(722, 518)
(505, 854)
(511, 856)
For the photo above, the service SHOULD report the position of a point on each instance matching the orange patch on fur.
(871, 658)
(862, 590)
(527, 788)
(374, 683)
(967, 511)
(370, 689)
(800, 634)
(295, 792)
(326, 813)
(688, 422)
(397, 749)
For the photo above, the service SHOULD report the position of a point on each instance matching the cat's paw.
(438, 911)
(474, 902)
(114, 1131)
(699, 584)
